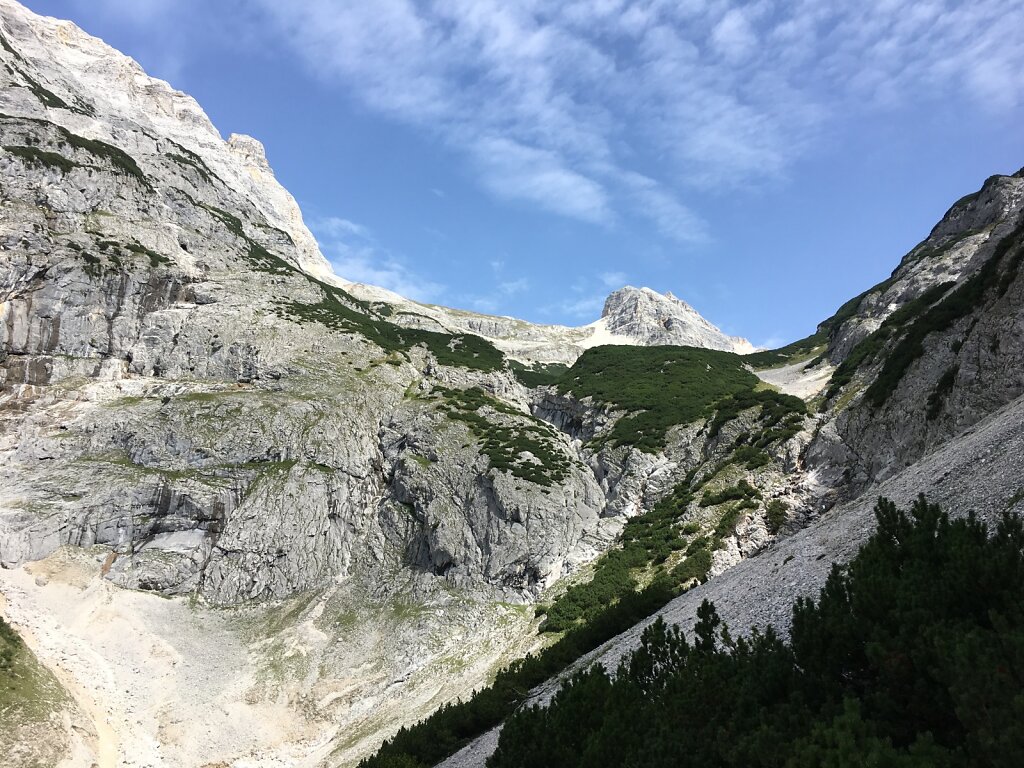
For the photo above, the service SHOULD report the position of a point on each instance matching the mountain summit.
(649, 318)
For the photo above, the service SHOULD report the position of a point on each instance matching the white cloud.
(339, 228)
(512, 287)
(588, 308)
(516, 172)
(673, 219)
(733, 36)
(356, 256)
(600, 109)
(613, 279)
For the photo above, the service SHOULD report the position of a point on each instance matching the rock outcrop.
(955, 357)
(183, 384)
(645, 317)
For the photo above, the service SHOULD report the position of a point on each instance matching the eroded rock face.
(957, 246)
(650, 319)
(965, 369)
(162, 395)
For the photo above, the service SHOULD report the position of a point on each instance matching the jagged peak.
(652, 318)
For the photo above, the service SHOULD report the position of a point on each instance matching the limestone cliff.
(354, 500)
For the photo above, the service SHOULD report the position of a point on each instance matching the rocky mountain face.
(631, 316)
(308, 512)
(649, 318)
(190, 397)
(168, 383)
(934, 349)
(923, 395)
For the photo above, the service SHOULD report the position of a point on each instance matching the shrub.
(504, 444)
(659, 386)
(909, 658)
(938, 395)
(775, 515)
(39, 157)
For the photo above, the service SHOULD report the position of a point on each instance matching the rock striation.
(647, 318)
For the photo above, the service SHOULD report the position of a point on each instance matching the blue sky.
(765, 161)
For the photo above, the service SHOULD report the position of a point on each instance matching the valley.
(255, 514)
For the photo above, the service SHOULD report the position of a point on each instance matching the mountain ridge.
(314, 513)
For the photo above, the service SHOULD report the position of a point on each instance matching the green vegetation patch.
(742, 491)
(538, 374)
(112, 248)
(909, 658)
(93, 264)
(189, 159)
(942, 389)
(40, 157)
(651, 538)
(116, 156)
(259, 258)
(660, 386)
(28, 691)
(613, 580)
(923, 251)
(778, 411)
(340, 311)
(659, 531)
(504, 445)
(867, 349)
(968, 297)
(46, 97)
(791, 353)
(776, 513)
(229, 220)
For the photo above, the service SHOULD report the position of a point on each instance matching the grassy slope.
(29, 696)
(660, 386)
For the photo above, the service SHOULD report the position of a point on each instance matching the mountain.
(650, 319)
(922, 393)
(631, 316)
(254, 514)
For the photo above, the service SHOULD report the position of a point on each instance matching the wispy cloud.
(602, 110)
(513, 171)
(557, 103)
(494, 302)
(357, 256)
(613, 280)
(512, 287)
(587, 308)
